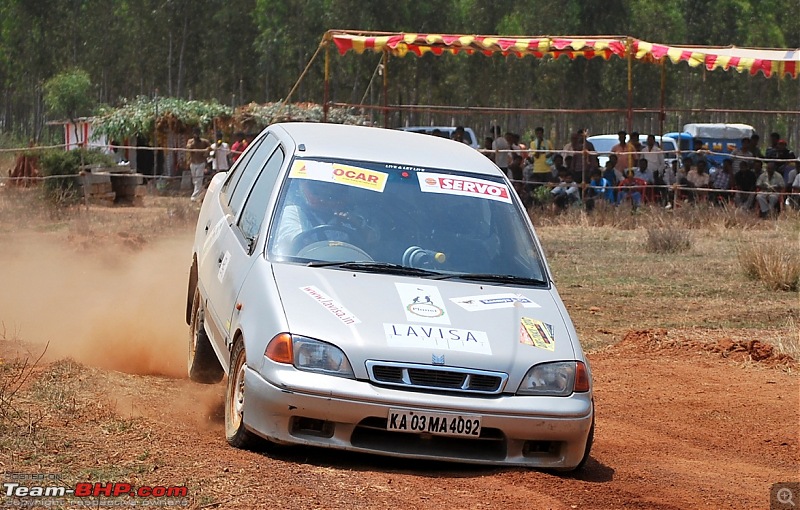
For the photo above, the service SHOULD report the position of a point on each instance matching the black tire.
(204, 367)
(235, 432)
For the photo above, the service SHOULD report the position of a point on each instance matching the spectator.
(238, 146)
(635, 141)
(794, 199)
(515, 170)
(558, 162)
(625, 152)
(754, 148)
(661, 182)
(740, 154)
(570, 146)
(541, 156)
(631, 187)
(745, 183)
(782, 168)
(769, 185)
(487, 148)
(599, 189)
(699, 178)
(458, 134)
(502, 145)
(610, 175)
(198, 153)
(772, 150)
(654, 155)
(220, 155)
(643, 171)
(584, 159)
(566, 192)
(722, 183)
(699, 152)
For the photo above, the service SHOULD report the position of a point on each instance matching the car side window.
(249, 171)
(256, 206)
(236, 171)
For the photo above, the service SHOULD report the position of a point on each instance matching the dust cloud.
(109, 306)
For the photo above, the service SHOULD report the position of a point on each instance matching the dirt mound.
(736, 350)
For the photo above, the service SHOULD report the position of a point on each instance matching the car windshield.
(384, 218)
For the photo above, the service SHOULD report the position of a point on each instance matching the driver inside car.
(319, 211)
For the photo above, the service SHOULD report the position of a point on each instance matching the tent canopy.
(770, 62)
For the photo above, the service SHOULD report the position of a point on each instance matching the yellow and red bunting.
(770, 63)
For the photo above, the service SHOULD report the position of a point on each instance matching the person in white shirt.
(654, 155)
(220, 155)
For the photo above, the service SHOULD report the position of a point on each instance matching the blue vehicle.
(719, 139)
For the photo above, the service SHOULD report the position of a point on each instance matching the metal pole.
(385, 89)
(629, 54)
(326, 92)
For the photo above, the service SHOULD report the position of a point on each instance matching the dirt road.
(679, 423)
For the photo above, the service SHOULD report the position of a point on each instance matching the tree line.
(236, 52)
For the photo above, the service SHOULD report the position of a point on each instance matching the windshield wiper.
(494, 278)
(377, 267)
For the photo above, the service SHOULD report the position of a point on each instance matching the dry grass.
(611, 283)
(667, 240)
(776, 265)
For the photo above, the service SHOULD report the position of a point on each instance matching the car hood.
(416, 320)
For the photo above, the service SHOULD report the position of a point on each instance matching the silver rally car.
(379, 291)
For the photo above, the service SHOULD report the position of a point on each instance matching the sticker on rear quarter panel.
(493, 301)
(430, 182)
(437, 337)
(422, 303)
(536, 333)
(327, 302)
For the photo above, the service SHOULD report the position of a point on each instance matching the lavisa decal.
(334, 307)
(340, 174)
(536, 333)
(430, 182)
(493, 302)
(422, 303)
(437, 338)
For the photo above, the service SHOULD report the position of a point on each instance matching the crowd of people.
(207, 158)
(637, 173)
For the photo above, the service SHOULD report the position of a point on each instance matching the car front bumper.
(297, 407)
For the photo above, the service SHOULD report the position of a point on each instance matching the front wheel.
(235, 432)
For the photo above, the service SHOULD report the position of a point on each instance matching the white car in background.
(445, 132)
(604, 143)
(379, 291)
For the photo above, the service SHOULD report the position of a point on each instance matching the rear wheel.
(235, 432)
(203, 364)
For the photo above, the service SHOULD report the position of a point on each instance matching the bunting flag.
(769, 62)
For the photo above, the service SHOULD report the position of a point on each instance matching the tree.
(69, 94)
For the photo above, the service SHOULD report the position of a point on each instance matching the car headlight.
(309, 354)
(558, 379)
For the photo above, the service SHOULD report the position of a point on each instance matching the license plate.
(443, 424)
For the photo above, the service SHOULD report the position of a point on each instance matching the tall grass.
(775, 264)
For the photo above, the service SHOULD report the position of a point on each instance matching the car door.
(227, 255)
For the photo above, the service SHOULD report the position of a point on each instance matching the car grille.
(427, 377)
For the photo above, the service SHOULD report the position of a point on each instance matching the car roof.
(385, 145)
